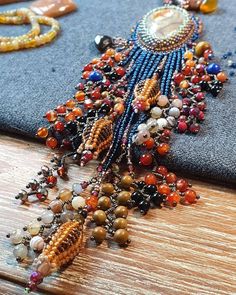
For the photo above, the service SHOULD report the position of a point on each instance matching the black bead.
(91, 113)
(82, 119)
(103, 42)
(107, 68)
(137, 197)
(140, 184)
(204, 86)
(216, 88)
(76, 141)
(157, 199)
(113, 76)
(84, 213)
(150, 189)
(144, 206)
(104, 109)
(72, 127)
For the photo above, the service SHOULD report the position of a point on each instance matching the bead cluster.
(33, 37)
(204, 6)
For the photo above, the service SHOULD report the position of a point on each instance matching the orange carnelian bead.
(208, 6)
(51, 116)
(163, 149)
(171, 178)
(110, 52)
(149, 143)
(59, 126)
(182, 185)
(86, 74)
(188, 55)
(92, 201)
(118, 57)
(77, 112)
(61, 109)
(80, 95)
(146, 159)
(51, 142)
(95, 61)
(162, 170)
(184, 84)
(222, 77)
(150, 179)
(42, 132)
(206, 78)
(119, 108)
(105, 56)
(164, 189)
(70, 104)
(69, 117)
(111, 62)
(173, 198)
(190, 63)
(190, 196)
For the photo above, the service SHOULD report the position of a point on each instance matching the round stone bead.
(156, 112)
(56, 206)
(20, 251)
(162, 100)
(121, 211)
(152, 125)
(95, 76)
(174, 112)
(65, 194)
(47, 217)
(78, 202)
(123, 197)
(177, 103)
(162, 123)
(126, 181)
(142, 127)
(99, 217)
(99, 234)
(37, 243)
(121, 236)
(104, 203)
(103, 42)
(33, 228)
(16, 236)
(107, 188)
(201, 47)
(120, 223)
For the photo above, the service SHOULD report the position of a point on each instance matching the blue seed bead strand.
(170, 74)
(132, 55)
(145, 63)
(165, 73)
(154, 67)
(179, 60)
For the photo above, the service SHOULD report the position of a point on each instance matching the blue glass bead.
(233, 66)
(213, 69)
(231, 73)
(225, 56)
(95, 76)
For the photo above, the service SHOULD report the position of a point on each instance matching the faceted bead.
(65, 194)
(20, 251)
(182, 185)
(146, 159)
(37, 243)
(173, 198)
(164, 189)
(51, 116)
(92, 202)
(59, 126)
(201, 47)
(42, 132)
(121, 236)
(150, 179)
(190, 196)
(103, 42)
(47, 217)
(99, 234)
(16, 236)
(162, 170)
(56, 206)
(33, 228)
(99, 216)
(78, 202)
(120, 223)
(171, 178)
(208, 6)
(149, 143)
(163, 149)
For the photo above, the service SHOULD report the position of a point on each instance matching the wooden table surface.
(188, 250)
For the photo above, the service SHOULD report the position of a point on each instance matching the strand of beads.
(33, 37)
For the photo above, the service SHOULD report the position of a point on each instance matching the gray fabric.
(36, 80)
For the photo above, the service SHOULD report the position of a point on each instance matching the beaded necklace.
(123, 113)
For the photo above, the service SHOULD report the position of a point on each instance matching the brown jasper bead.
(104, 203)
(126, 181)
(120, 223)
(123, 197)
(99, 216)
(121, 211)
(65, 194)
(99, 234)
(56, 206)
(107, 188)
(121, 236)
(201, 47)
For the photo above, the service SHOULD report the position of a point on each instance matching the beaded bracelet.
(33, 37)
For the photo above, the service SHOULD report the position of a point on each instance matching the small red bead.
(182, 127)
(149, 143)
(178, 78)
(150, 179)
(173, 198)
(190, 196)
(164, 189)
(195, 79)
(171, 178)
(146, 159)
(61, 109)
(120, 71)
(95, 94)
(199, 96)
(52, 180)
(59, 126)
(187, 71)
(162, 170)
(51, 142)
(88, 67)
(182, 185)
(51, 116)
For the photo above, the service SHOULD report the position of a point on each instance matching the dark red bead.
(186, 101)
(120, 71)
(95, 94)
(178, 78)
(61, 109)
(182, 185)
(199, 96)
(187, 71)
(88, 67)
(202, 106)
(59, 126)
(201, 116)
(194, 112)
(146, 159)
(162, 170)
(182, 127)
(194, 128)
(195, 79)
(200, 68)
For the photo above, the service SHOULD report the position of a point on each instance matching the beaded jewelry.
(132, 98)
(33, 37)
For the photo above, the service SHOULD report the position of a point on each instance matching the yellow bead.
(208, 6)
(188, 55)
(201, 47)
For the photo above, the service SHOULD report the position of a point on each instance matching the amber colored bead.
(99, 216)
(208, 6)
(121, 236)
(201, 47)
(51, 116)
(65, 194)
(164, 189)
(42, 132)
(77, 112)
(171, 178)
(126, 181)
(51, 180)
(51, 142)
(69, 117)
(121, 211)
(222, 77)
(104, 203)
(190, 63)
(173, 198)
(184, 84)
(80, 96)
(118, 57)
(86, 74)
(188, 55)
(107, 188)
(150, 179)
(120, 223)
(56, 206)
(61, 171)
(190, 196)
(99, 234)
(61, 109)
(163, 149)
(119, 108)
(162, 170)
(110, 52)
(182, 185)
(123, 197)
(95, 61)
(149, 143)
(59, 126)
(92, 202)
(70, 104)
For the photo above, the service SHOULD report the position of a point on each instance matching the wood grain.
(188, 250)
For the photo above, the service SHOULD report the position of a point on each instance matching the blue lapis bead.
(95, 76)
(213, 69)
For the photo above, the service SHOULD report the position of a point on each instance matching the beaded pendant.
(123, 113)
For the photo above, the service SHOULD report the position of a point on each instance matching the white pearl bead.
(33, 228)
(143, 135)
(78, 202)
(162, 123)
(77, 188)
(171, 121)
(16, 236)
(47, 217)
(174, 112)
(162, 100)
(177, 103)
(142, 127)
(37, 243)
(156, 112)
(20, 251)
